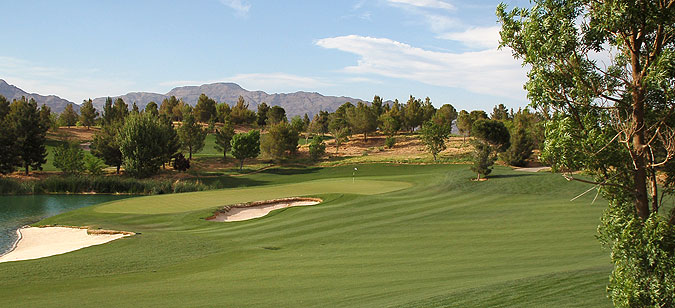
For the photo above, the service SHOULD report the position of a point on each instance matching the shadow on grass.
(231, 182)
(291, 170)
(505, 176)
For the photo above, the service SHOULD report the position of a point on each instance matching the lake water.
(17, 211)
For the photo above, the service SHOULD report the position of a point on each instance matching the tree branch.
(571, 178)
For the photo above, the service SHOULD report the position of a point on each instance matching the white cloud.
(432, 4)
(477, 37)
(73, 85)
(241, 7)
(492, 72)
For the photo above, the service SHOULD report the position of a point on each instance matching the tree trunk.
(26, 168)
(118, 169)
(640, 174)
(241, 165)
(654, 192)
(190, 153)
(365, 137)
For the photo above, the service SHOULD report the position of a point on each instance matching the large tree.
(263, 109)
(9, 156)
(362, 119)
(612, 118)
(445, 116)
(88, 113)
(69, 116)
(191, 134)
(413, 113)
(281, 141)
(167, 108)
(240, 114)
(205, 110)
(223, 137)
(141, 140)
(105, 145)
(30, 133)
(276, 114)
(433, 136)
(245, 145)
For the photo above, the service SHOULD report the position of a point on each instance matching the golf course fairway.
(403, 236)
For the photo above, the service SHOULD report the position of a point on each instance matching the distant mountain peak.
(54, 102)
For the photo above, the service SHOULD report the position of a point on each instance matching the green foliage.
(135, 109)
(433, 136)
(483, 159)
(413, 114)
(245, 145)
(389, 124)
(493, 132)
(152, 108)
(319, 124)
(298, 124)
(88, 113)
(105, 145)
(9, 156)
(69, 158)
(223, 112)
(522, 142)
(47, 119)
(340, 135)
(500, 113)
(362, 120)
(281, 141)
(181, 163)
(464, 123)
(389, 142)
(93, 165)
(445, 116)
(276, 114)
(141, 141)
(68, 117)
(263, 109)
(191, 135)
(240, 114)
(317, 148)
(223, 138)
(170, 108)
(30, 134)
(205, 110)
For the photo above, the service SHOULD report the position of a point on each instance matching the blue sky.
(444, 49)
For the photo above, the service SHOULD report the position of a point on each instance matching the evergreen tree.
(276, 115)
(167, 108)
(223, 112)
(151, 108)
(9, 156)
(433, 136)
(263, 109)
(445, 116)
(120, 110)
(135, 109)
(108, 111)
(191, 135)
(171, 142)
(281, 141)
(105, 145)
(362, 120)
(223, 138)
(30, 134)
(88, 113)
(69, 158)
(68, 117)
(413, 114)
(4, 107)
(240, 113)
(205, 109)
(45, 117)
(500, 112)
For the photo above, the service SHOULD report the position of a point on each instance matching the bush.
(483, 159)
(317, 148)
(390, 142)
(93, 165)
(181, 163)
(69, 158)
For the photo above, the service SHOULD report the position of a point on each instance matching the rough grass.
(513, 241)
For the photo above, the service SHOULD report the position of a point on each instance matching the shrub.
(69, 158)
(93, 165)
(390, 142)
(181, 163)
(317, 148)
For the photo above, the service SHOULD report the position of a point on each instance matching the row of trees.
(23, 129)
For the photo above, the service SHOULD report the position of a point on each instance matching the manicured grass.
(445, 241)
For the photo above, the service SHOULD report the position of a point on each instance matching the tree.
(245, 145)
(281, 141)
(120, 110)
(46, 117)
(108, 114)
(483, 159)
(141, 140)
(319, 124)
(263, 109)
(93, 165)
(135, 109)
(240, 113)
(340, 134)
(181, 163)
(377, 106)
(433, 136)
(88, 113)
(306, 121)
(30, 134)
(152, 108)
(500, 112)
(492, 132)
(171, 142)
(68, 117)
(223, 138)
(612, 119)
(445, 116)
(275, 115)
(298, 124)
(428, 110)
(69, 158)
(167, 108)
(317, 148)
(223, 112)
(362, 120)
(9, 156)
(191, 135)
(205, 109)
(413, 114)
(464, 124)
(105, 145)
(521, 140)
(389, 124)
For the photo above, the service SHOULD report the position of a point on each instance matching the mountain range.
(54, 102)
(297, 103)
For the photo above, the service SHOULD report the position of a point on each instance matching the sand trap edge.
(227, 208)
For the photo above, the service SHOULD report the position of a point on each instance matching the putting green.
(176, 203)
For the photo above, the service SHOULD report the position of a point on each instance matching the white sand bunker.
(37, 243)
(250, 210)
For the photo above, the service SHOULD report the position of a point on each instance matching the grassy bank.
(98, 184)
(440, 240)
